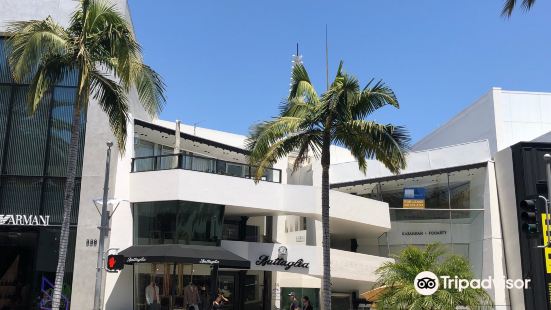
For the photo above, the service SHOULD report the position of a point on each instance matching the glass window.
(177, 222)
(171, 281)
(144, 148)
(312, 293)
(5, 93)
(60, 131)
(253, 288)
(52, 203)
(20, 195)
(25, 130)
(467, 188)
(447, 208)
(5, 74)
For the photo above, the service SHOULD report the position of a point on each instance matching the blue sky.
(227, 63)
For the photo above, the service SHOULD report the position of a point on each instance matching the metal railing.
(202, 164)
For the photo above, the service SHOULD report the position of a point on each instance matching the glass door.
(226, 286)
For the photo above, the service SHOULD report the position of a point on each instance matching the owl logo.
(282, 253)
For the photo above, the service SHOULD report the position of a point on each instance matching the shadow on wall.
(121, 296)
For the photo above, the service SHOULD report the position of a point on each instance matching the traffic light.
(529, 216)
(115, 262)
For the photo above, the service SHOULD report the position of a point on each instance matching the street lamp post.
(103, 229)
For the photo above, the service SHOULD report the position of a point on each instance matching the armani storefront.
(33, 163)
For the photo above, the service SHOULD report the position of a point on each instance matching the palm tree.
(308, 123)
(399, 276)
(100, 47)
(510, 6)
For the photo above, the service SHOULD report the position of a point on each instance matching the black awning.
(181, 253)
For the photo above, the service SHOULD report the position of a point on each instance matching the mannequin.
(191, 296)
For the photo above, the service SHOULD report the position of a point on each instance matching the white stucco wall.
(350, 214)
(523, 116)
(417, 161)
(503, 117)
(476, 122)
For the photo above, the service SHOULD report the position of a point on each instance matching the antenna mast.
(326, 59)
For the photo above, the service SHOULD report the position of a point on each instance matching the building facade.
(187, 215)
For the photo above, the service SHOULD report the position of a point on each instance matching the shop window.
(171, 281)
(253, 288)
(312, 293)
(446, 208)
(177, 222)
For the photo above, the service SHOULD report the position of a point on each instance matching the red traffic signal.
(115, 262)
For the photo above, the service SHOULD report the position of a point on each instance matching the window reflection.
(177, 222)
(173, 281)
(448, 208)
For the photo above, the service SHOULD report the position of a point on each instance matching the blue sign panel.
(414, 193)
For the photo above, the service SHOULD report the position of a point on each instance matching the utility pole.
(103, 230)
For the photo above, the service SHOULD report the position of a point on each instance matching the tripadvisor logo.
(427, 283)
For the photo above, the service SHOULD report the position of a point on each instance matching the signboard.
(548, 260)
(414, 198)
(281, 260)
(547, 251)
(24, 220)
(544, 227)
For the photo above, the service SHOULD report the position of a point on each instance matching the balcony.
(352, 216)
(202, 164)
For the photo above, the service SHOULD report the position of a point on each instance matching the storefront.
(28, 264)
(184, 274)
(445, 206)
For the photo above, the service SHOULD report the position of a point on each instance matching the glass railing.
(202, 164)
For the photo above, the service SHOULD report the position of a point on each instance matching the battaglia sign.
(209, 261)
(264, 260)
(24, 220)
(136, 259)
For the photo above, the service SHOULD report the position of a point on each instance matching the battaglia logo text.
(209, 261)
(26, 220)
(264, 260)
(135, 260)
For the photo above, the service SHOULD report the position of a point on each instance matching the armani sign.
(24, 220)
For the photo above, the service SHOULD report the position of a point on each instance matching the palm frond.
(387, 143)
(509, 6)
(373, 98)
(301, 86)
(49, 72)
(400, 275)
(114, 102)
(33, 41)
(150, 88)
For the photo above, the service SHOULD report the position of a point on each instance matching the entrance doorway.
(226, 284)
(28, 261)
(341, 301)
(16, 278)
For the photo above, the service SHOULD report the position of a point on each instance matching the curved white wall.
(350, 215)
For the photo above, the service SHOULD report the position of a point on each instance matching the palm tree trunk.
(326, 242)
(67, 203)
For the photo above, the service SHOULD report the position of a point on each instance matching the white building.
(194, 214)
